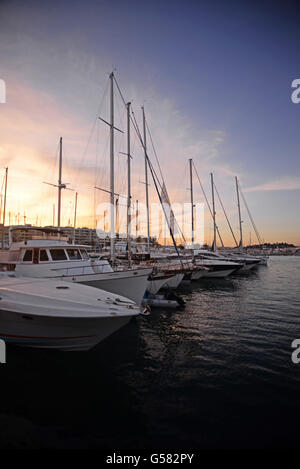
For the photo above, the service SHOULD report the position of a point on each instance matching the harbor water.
(217, 373)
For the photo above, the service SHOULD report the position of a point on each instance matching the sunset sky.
(214, 78)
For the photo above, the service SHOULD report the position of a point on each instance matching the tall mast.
(5, 191)
(214, 212)
(192, 198)
(146, 181)
(4, 208)
(112, 169)
(75, 215)
(59, 182)
(137, 219)
(239, 210)
(75, 211)
(128, 186)
(117, 218)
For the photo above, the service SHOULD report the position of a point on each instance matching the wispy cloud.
(33, 120)
(286, 183)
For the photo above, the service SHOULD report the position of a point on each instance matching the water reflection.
(216, 373)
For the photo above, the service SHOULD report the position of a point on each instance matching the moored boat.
(51, 313)
(49, 255)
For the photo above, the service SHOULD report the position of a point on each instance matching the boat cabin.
(50, 256)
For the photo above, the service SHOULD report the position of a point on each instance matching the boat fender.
(145, 310)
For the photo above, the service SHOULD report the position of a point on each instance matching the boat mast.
(214, 212)
(208, 204)
(192, 198)
(75, 211)
(59, 183)
(239, 210)
(117, 218)
(4, 208)
(112, 169)
(128, 186)
(75, 215)
(5, 191)
(146, 181)
(137, 219)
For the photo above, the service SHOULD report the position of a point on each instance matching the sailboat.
(242, 261)
(49, 255)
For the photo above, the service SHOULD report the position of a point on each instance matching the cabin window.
(74, 254)
(28, 256)
(58, 254)
(84, 254)
(43, 255)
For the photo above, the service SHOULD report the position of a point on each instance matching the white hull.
(197, 274)
(54, 314)
(57, 333)
(174, 281)
(131, 283)
(218, 268)
(154, 285)
(247, 267)
(218, 274)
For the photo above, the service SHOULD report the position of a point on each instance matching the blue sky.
(214, 76)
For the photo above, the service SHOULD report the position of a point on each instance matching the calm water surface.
(216, 374)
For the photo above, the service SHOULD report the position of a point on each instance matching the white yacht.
(217, 266)
(157, 279)
(51, 313)
(164, 279)
(249, 262)
(246, 262)
(50, 255)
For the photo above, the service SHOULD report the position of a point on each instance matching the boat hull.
(73, 334)
(156, 283)
(246, 267)
(197, 274)
(218, 273)
(131, 284)
(174, 281)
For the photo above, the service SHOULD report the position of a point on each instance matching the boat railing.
(75, 270)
